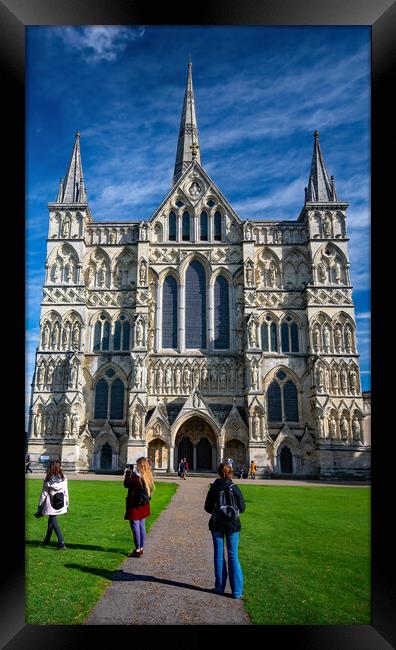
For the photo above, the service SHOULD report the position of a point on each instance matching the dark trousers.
(54, 525)
(28, 469)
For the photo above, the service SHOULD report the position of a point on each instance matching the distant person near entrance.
(140, 486)
(226, 525)
(186, 467)
(253, 469)
(181, 469)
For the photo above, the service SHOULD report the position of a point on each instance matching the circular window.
(179, 203)
(281, 375)
(110, 372)
(210, 203)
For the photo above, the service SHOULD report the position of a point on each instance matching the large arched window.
(195, 306)
(109, 397)
(186, 226)
(289, 335)
(169, 313)
(122, 333)
(101, 334)
(217, 226)
(172, 226)
(269, 335)
(221, 314)
(282, 399)
(204, 227)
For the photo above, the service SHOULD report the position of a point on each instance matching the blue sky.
(260, 94)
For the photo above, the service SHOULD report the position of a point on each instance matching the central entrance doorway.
(196, 441)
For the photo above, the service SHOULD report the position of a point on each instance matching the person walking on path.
(228, 529)
(27, 466)
(186, 467)
(140, 486)
(181, 468)
(253, 470)
(54, 501)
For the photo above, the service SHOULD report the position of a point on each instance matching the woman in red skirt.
(140, 486)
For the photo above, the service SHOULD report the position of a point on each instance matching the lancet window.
(282, 399)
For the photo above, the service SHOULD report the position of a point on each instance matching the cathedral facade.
(199, 334)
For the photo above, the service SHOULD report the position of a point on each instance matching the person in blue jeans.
(230, 531)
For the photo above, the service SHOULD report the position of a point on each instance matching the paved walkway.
(171, 583)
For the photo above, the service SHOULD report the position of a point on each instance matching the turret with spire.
(188, 143)
(71, 188)
(320, 188)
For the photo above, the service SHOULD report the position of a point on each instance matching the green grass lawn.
(305, 553)
(63, 586)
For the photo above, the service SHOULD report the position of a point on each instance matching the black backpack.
(225, 508)
(142, 496)
(58, 500)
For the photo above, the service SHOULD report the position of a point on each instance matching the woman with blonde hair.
(140, 486)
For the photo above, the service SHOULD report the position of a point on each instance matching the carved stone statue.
(326, 338)
(348, 338)
(196, 376)
(272, 276)
(334, 377)
(344, 380)
(50, 372)
(353, 380)
(102, 276)
(73, 375)
(139, 333)
(344, 427)
(66, 226)
(177, 375)
(254, 378)
(150, 379)
(76, 336)
(40, 376)
(142, 273)
(204, 376)
(337, 272)
(37, 424)
(168, 379)
(55, 336)
(321, 426)
(45, 337)
(338, 339)
(316, 339)
(252, 331)
(75, 422)
(320, 379)
(356, 428)
(322, 276)
(66, 422)
(138, 375)
(186, 379)
(332, 427)
(159, 377)
(136, 425)
(256, 427)
(326, 228)
(249, 274)
(49, 423)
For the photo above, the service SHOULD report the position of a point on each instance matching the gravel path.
(171, 583)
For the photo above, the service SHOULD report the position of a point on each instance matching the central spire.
(72, 188)
(188, 143)
(320, 187)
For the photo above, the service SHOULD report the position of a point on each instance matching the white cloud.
(100, 42)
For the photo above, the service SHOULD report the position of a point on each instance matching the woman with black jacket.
(230, 530)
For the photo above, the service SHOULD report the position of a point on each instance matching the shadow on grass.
(82, 547)
(122, 576)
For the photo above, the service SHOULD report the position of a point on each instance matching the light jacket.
(49, 489)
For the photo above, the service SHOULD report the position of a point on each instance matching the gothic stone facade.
(199, 334)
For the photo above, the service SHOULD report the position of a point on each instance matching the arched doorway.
(204, 454)
(236, 450)
(158, 454)
(185, 450)
(106, 455)
(286, 461)
(196, 441)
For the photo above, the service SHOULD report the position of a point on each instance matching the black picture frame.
(15, 15)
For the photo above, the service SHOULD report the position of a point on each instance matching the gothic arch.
(196, 255)
(178, 423)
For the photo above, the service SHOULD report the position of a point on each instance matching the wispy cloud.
(99, 43)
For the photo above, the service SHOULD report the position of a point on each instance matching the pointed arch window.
(282, 399)
(109, 397)
(269, 335)
(289, 335)
(172, 226)
(186, 226)
(204, 227)
(195, 306)
(102, 329)
(217, 226)
(169, 313)
(221, 314)
(122, 331)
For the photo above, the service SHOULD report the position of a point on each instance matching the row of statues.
(55, 424)
(175, 378)
(340, 429)
(337, 381)
(60, 336)
(64, 270)
(60, 375)
(333, 339)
